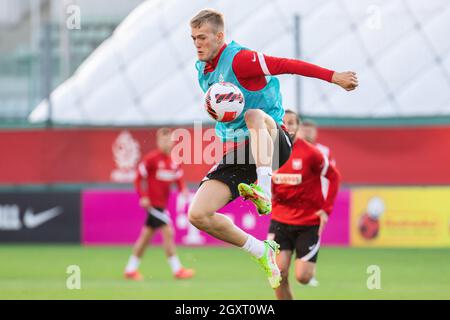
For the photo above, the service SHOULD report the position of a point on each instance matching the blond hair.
(163, 132)
(211, 16)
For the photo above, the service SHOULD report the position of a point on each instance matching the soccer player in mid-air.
(300, 211)
(259, 132)
(155, 174)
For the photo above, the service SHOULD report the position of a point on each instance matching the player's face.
(310, 133)
(165, 142)
(207, 42)
(291, 122)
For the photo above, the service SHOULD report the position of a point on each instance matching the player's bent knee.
(146, 232)
(284, 275)
(253, 115)
(198, 219)
(194, 217)
(169, 232)
(304, 277)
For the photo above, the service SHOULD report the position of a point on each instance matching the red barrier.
(364, 156)
(76, 155)
(391, 155)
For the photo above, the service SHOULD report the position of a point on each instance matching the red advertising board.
(391, 155)
(364, 155)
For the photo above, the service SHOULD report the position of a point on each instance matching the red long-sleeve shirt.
(155, 174)
(297, 189)
(252, 67)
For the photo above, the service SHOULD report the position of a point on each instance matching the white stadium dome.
(144, 73)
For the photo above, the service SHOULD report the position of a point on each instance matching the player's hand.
(323, 220)
(144, 202)
(347, 80)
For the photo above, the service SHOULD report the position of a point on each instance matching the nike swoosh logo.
(254, 57)
(32, 220)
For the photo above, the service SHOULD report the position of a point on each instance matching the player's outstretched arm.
(249, 64)
(140, 183)
(347, 80)
(323, 215)
(334, 178)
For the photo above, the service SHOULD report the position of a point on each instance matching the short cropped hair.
(163, 132)
(297, 117)
(310, 123)
(211, 16)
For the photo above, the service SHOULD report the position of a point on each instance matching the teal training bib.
(267, 99)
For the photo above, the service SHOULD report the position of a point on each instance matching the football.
(224, 101)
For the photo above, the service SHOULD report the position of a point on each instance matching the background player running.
(258, 130)
(300, 211)
(310, 133)
(155, 174)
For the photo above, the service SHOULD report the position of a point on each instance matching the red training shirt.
(158, 172)
(297, 189)
(252, 67)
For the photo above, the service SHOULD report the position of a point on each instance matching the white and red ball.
(224, 101)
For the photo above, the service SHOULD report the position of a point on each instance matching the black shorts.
(238, 165)
(157, 217)
(304, 239)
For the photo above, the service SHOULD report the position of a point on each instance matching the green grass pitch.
(39, 272)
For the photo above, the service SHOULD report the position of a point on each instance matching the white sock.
(174, 263)
(265, 179)
(254, 246)
(313, 282)
(133, 264)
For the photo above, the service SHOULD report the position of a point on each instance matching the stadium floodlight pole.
(297, 46)
(46, 69)
(35, 30)
(64, 42)
(35, 15)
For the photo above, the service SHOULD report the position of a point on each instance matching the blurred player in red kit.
(310, 133)
(155, 174)
(299, 209)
